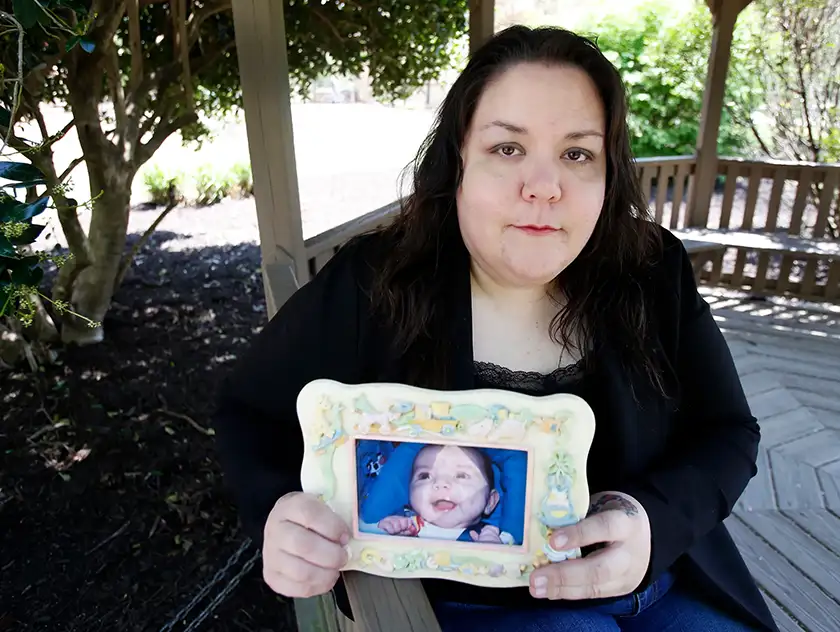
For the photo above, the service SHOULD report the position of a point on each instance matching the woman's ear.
(492, 501)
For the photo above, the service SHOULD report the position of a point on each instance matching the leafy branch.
(21, 269)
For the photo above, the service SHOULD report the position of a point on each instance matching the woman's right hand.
(303, 546)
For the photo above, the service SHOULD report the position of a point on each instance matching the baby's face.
(448, 488)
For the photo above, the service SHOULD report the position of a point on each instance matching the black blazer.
(686, 458)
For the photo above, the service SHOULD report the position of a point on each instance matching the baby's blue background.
(387, 493)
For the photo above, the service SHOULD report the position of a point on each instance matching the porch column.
(482, 13)
(264, 74)
(724, 15)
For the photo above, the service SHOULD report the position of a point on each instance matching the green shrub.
(242, 179)
(212, 185)
(663, 65)
(158, 183)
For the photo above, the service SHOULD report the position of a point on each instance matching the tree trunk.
(17, 345)
(93, 285)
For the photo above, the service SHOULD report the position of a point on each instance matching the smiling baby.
(451, 491)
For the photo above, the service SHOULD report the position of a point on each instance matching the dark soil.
(113, 514)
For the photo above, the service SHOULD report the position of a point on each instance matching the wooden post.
(264, 73)
(482, 14)
(724, 15)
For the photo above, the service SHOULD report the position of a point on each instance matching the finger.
(296, 569)
(317, 517)
(312, 547)
(599, 569)
(608, 526)
(596, 591)
(474, 536)
(322, 582)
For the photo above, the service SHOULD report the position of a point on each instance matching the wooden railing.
(321, 247)
(776, 220)
(772, 219)
(660, 177)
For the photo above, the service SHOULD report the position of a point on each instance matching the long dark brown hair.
(602, 286)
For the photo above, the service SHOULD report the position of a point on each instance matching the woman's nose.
(542, 184)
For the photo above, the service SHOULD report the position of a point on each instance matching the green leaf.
(26, 12)
(5, 117)
(22, 185)
(43, 18)
(26, 273)
(20, 172)
(6, 247)
(71, 43)
(32, 232)
(28, 211)
(8, 208)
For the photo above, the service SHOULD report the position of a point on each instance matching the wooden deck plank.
(822, 525)
(739, 348)
(788, 426)
(785, 622)
(754, 326)
(815, 449)
(752, 363)
(813, 385)
(824, 401)
(827, 418)
(817, 562)
(798, 365)
(773, 403)
(796, 483)
(786, 343)
(829, 477)
(760, 382)
(759, 494)
(784, 582)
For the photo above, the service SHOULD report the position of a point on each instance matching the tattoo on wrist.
(614, 501)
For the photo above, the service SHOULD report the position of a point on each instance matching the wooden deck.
(787, 523)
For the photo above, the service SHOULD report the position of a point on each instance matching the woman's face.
(534, 173)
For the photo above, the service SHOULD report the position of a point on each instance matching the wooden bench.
(702, 251)
(789, 248)
(379, 605)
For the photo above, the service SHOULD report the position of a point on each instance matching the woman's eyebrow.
(583, 134)
(518, 129)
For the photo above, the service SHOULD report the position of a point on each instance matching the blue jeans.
(662, 607)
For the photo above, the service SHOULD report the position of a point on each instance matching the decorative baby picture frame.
(464, 485)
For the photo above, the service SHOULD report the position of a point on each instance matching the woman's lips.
(533, 229)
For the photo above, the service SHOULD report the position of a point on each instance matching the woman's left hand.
(618, 523)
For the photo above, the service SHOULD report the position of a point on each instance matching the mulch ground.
(113, 514)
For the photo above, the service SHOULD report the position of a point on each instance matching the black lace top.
(567, 379)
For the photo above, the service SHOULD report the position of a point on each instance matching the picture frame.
(466, 463)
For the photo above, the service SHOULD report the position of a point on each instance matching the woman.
(525, 259)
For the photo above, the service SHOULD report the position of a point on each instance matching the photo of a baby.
(444, 492)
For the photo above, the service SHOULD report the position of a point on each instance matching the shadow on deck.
(787, 523)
